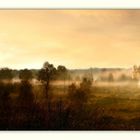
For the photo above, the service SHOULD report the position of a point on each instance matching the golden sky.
(74, 38)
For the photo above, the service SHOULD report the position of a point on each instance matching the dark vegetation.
(26, 105)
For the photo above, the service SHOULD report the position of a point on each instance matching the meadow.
(81, 106)
(110, 106)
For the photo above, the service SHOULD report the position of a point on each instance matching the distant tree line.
(59, 73)
(111, 78)
(50, 72)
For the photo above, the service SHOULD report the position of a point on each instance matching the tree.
(46, 74)
(62, 73)
(61, 69)
(86, 84)
(25, 74)
(123, 77)
(79, 95)
(26, 106)
(6, 74)
(110, 77)
(136, 73)
(26, 94)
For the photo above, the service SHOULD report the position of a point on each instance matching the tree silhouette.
(46, 74)
(124, 77)
(6, 74)
(62, 72)
(79, 95)
(26, 106)
(25, 74)
(110, 77)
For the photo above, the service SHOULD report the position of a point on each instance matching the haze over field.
(69, 70)
(74, 38)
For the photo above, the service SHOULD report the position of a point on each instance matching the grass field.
(113, 106)
(106, 106)
(110, 106)
(118, 105)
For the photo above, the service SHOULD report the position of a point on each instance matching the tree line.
(59, 73)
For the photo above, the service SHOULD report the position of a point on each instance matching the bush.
(80, 94)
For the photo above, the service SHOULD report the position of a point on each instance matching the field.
(101, 106)
(111, 106)
(118, 105)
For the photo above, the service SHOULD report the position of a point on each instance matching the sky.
(73, 38)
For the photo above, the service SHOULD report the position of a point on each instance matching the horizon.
(71, 68)
(77, 39)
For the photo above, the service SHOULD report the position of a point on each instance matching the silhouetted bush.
(80, 94)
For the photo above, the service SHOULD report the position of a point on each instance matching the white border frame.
(98, 4)
(70, 4)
